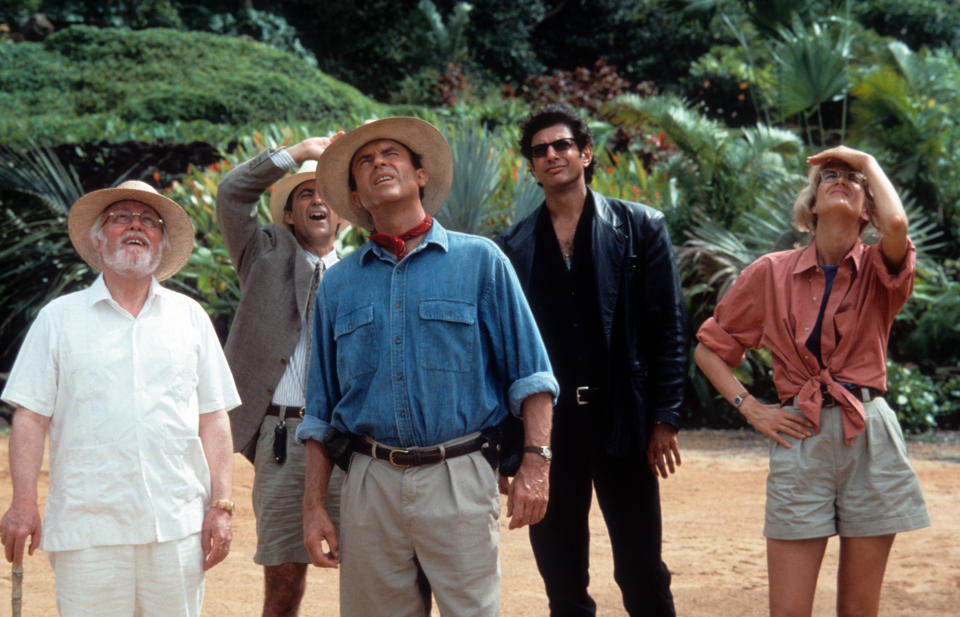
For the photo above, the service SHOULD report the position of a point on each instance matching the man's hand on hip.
(529, 491)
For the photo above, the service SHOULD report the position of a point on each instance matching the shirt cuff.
(312, 427)
(282, 159)
(532, 384)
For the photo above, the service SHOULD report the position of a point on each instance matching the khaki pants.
(444, 516)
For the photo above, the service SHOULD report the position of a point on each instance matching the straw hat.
(333, 169)
(283, 188)
(88, 208)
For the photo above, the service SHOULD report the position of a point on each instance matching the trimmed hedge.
(87, 84)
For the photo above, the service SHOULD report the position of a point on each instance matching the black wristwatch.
(738, 399)
(543, 451)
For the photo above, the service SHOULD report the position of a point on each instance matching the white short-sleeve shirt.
(124, 396)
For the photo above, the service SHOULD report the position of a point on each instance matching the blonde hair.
(803, 217)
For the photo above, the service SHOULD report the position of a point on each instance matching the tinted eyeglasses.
(125, 217)
(850, 176)
(561, 145)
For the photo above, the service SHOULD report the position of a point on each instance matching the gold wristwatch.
(223, 504)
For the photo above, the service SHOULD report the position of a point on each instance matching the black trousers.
(629, 498)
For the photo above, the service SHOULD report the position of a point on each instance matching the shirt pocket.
(356, 338)
(447, 335)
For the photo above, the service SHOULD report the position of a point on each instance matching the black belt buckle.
(280, 442)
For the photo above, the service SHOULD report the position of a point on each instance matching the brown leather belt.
(284, 411)
(414, 457)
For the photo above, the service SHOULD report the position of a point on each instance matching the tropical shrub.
(87, 84)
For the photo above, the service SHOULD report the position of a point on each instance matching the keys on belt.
(280, 431)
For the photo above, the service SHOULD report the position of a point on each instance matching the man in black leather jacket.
(602, 281)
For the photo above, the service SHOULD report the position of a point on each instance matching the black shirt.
(564, 303)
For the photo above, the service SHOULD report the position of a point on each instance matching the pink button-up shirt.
(774, 304)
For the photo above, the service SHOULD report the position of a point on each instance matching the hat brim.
(333, 167)
(179, 228)
(281, 192)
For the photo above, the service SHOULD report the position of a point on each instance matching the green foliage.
(811, 65)
(37, 261)
(914, 397)
(905, 110)
(918, 23)
(476, 176)
(720, 172)
(264, 27)
(84, 84)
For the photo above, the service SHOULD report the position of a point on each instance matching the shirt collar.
(328, 260)
(436, 235)
(808, 258)
(98, 292)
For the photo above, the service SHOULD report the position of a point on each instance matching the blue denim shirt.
(423, 351)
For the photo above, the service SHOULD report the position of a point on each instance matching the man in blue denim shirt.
(422, 339)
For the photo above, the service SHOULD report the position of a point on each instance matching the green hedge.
(86, 83)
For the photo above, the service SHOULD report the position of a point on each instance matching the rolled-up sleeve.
(516, 339)
(737, 321)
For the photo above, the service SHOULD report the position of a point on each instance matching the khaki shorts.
(821, 487)
(278, 497)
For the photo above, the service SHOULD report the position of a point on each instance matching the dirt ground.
(712, 519)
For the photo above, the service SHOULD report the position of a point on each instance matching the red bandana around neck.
(398, 244)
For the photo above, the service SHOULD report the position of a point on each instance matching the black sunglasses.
(561, 145)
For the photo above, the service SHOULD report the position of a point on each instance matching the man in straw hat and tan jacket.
(130, 381)
(279, 266)
(422, 342)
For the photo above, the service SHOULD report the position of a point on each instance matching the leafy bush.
(918, 23)
(86, 84)
(913, 396)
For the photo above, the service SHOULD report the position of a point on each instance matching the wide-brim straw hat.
(283, 188)
(179, 228)
(333, 168)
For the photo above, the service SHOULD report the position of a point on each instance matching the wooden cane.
(16, 599)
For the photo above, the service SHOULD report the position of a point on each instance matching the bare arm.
(22, 519)
(317, 525)
(771, 420)
(218, 449)
(890, 215)
(530, 489)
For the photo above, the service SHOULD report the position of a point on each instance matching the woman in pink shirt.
(838, 462)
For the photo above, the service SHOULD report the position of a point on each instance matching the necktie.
(311, 302)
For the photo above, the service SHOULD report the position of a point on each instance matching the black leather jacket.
(642, 312)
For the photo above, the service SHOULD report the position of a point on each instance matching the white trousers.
(162, 579)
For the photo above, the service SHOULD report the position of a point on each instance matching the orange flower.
(156, 176)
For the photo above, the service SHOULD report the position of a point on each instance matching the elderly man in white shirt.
(131, 383)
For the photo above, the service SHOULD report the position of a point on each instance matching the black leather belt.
(284, 411)
(414, 457)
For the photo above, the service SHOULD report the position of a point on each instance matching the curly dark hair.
(549, 116)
